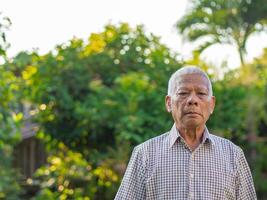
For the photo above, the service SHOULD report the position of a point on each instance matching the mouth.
(193, 114)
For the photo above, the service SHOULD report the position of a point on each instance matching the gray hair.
(172, 86)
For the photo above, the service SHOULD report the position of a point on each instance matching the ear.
(168, 103)
(212, 104)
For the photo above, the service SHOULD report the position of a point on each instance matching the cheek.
(178, 109)
(207, 111)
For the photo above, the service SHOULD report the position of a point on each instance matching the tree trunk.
(241, 56)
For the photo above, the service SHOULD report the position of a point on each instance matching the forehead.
(192, 80)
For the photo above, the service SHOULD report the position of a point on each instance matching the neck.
(192, 136)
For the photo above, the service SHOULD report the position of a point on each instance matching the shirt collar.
(175, 135)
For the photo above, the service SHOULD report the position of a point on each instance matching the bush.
(69, 176)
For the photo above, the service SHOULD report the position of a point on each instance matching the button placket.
(191, 176)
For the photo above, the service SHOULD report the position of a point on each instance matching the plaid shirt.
(165, 168)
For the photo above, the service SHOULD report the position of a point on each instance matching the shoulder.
(154, 142)
(226, 146)
(153, 145)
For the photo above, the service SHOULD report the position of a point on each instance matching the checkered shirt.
(165, 168)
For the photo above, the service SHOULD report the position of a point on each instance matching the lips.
(192, 113)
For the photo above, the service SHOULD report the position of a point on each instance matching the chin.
(192, 124)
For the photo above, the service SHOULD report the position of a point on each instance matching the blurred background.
(83, 82)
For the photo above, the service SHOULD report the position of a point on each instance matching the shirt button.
(191, 175)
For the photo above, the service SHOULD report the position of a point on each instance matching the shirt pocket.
(230, 185)
(220, 184)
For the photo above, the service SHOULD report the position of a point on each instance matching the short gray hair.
(172, 86)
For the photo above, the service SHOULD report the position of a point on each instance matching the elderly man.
(188, 162)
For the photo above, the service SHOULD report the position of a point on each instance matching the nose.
(192, 99)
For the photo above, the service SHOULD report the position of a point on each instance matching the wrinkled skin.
(191, 105)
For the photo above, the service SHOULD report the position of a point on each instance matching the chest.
(178, 173)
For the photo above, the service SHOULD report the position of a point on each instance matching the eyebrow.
(198, 88)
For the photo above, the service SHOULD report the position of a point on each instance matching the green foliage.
(95, 97)
(9, 134)
(10, 121)
(143, 112)
(223, 22)
(9, 187)
(256, 77)
(259, 170)
(106, 88)
(69, 176)
(230, 110)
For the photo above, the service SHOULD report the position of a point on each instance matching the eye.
(202, 93)
(182, 93)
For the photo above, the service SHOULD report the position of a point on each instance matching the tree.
(96, 96)
(223, 22)
(255, 77)
(84, 92)
(9, 122)
(67, 175)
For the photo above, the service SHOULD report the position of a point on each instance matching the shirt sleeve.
(245, 187)
(133, 183)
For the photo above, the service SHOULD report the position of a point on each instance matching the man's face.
(191, 105)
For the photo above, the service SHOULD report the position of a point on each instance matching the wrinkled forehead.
(189, 80)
